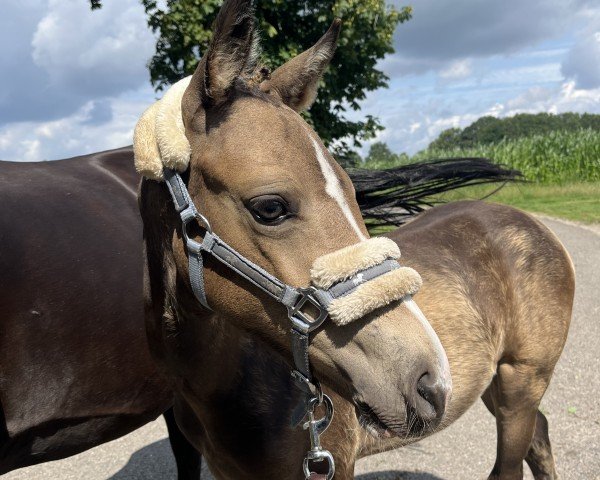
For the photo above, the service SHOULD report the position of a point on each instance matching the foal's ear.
(233, 51)
(296, 82)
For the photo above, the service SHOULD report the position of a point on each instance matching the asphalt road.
(465, 450)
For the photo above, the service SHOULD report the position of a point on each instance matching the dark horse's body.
(71, 277)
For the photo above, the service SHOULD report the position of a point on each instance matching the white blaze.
(439, 349)
(334, 188)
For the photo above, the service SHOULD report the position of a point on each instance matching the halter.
(296, 301)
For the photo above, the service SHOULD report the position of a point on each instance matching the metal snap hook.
(315, 429)
(319, 456)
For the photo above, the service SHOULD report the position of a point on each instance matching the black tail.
(391, 196)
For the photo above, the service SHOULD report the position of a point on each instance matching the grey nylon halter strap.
(294, 299)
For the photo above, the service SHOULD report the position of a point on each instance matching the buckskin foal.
(498, 285)
(273, 192)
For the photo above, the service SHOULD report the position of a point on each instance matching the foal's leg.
(513, 397)
(540, 458)
(188, 459)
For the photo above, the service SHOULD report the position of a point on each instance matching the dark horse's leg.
(189, 460)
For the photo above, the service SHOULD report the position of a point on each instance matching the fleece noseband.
(345, 285)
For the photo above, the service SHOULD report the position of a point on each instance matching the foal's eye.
(269, 209)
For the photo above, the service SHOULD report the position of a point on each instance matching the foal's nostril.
(435, 394)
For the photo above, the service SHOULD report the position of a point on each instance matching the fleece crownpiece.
(159, 139)
(363, 277)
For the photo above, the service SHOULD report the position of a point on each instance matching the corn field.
(554, 158)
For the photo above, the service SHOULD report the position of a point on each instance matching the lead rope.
(312, 393)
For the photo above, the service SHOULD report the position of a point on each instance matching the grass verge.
(579, 202)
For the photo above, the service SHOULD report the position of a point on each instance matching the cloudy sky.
(74, 81)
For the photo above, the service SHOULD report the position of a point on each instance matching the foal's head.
(269, 187)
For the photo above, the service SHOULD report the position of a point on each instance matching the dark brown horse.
(75, 370)
(498, 288)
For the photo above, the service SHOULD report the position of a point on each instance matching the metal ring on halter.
(202, 222)
(317, 427)
(317, 399)
(302, 320)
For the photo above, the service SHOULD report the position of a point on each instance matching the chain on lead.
(316, 428)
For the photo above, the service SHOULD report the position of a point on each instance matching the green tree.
(380, 156)
(289, 27)
(490, 130)
(486, 130)
(350, 159)
(448, 139)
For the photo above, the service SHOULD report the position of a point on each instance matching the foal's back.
(498, 290)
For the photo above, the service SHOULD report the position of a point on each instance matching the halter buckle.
(302, 320)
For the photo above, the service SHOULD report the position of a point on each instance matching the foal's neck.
(212, 348)
(233, 371)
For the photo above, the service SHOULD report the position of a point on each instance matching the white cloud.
(524, 75)
(413, 124)
(73, 135)
(95, 53)
(458, 70)
(542, 54)
(457, 61)
(565, 98)
(61, 55)
(78, 79)
(443, 32)
(583, 61)
(6, 140)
